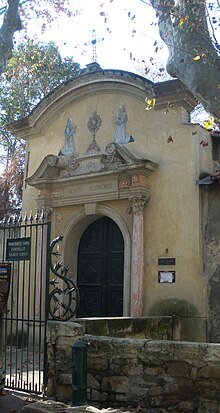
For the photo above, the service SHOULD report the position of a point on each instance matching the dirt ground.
(13, 401)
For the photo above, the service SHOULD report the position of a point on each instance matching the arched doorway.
(101, 270)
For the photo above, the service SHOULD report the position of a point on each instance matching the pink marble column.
(137, 265)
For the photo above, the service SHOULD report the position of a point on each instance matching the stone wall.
(156, 374)
(61, 336)
(211, 256)
(185, 328)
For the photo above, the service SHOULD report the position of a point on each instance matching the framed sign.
(166, 276)
(18, 249)
(5, 279)
(166, 261)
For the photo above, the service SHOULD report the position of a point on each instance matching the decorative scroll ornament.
(51, 160)
(111, 152)
(72, 165)
(93, 124)
(113, 156)
(64, 297)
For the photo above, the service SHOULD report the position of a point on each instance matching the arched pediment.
(98, 81)
(81, 87)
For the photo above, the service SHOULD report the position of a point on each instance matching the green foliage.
(173, 307)
(34, 70)
(11, 183)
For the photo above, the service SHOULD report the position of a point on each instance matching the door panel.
(101, 270)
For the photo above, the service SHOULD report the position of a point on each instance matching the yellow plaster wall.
(172, 216)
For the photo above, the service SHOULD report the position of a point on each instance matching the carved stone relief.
(69, 145)
(93, 124)
(59, 217)
(121, 135)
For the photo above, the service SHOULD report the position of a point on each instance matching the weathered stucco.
(172, 215)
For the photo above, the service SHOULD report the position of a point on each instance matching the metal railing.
(25, 243)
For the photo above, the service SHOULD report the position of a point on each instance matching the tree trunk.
(10, 25)
(193, 58)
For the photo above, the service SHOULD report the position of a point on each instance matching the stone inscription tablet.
(93, 188)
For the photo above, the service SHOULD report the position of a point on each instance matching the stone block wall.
(170, 375)
(60, 337)
(155, 327)
(156, 374)
(162, 328)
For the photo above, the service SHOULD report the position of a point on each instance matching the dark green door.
(101, 270)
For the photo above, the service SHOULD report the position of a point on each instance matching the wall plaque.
(166, 261)
(18, 249)
(166, 276)
(5, 278)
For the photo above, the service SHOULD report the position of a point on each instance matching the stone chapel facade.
(120, 184)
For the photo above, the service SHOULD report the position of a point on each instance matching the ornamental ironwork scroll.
(64, 296)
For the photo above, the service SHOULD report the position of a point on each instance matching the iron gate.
(25, 244)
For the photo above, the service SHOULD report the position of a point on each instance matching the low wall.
(178, 376)
(157, 374)
(157, 327)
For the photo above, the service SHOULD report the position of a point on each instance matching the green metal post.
(1, 340)
(79, 373)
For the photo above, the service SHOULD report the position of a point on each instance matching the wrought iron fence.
(33, 299)
(24, 242)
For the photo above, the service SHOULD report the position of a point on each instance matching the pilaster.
(138, 203)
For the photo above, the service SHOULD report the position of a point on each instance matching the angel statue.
(69, 144)
(121, 135)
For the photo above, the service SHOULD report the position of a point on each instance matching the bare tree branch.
(11, 23)
(192, 57)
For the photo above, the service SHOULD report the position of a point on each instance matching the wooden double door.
(101, 270)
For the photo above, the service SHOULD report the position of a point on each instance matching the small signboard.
(166, 261)
(18, 249)
(166, 276)
(5, 278)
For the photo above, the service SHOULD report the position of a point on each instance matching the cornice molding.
(99, 82)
